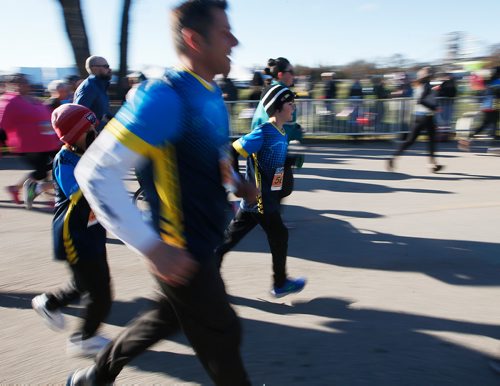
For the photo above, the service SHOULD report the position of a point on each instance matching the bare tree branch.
(75, 28)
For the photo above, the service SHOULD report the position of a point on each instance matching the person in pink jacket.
(26, 123)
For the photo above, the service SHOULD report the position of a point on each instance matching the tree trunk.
(75, 28)
(122, 73)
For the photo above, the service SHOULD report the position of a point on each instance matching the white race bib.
(278, 179)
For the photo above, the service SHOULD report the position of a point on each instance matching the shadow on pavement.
(346, 344)
(121, 312)
(39, 206)
(182, 366)
(389, 348)
(319, 237)
(386, 348)
(331, 178)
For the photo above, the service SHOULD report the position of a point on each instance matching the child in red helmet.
(78, 238)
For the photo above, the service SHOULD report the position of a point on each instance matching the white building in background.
(454, 46)
(462, 46)
(44, 75)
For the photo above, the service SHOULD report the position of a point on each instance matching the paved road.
(403, 272)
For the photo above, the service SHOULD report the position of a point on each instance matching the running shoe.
(87, 347)
(291, 286)
(390, 164)
(54, 319)
(84, 377)
(14, 193)
(29, 193)
(436, 168)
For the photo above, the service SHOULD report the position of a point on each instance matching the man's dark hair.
(257, 79)
(274, 66)
(196, 15)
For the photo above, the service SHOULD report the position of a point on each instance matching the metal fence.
(355, 117)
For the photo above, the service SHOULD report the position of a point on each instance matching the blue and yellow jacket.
(76, 232)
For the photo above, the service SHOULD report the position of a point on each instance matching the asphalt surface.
(402, 267)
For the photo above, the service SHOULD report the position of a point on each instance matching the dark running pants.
(202, 311)
(288, 179)
(277, 236)
(490, 120)
(41, 162)
(89, 277)
(422, 123)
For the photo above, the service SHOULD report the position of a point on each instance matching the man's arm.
(236, 184)
(85, 96)
(100, 175)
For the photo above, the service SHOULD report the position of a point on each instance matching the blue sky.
(308, 32)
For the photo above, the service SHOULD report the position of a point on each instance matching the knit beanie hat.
(275, 96)
(70, 121)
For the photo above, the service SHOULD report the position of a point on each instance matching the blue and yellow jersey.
(180, 125)
(76, 232)
(265, 149)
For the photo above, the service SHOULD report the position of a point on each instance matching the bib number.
(92, 219)
(277, 183)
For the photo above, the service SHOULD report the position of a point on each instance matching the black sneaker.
(390, 164)
(437, 168)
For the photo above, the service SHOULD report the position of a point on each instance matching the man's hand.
(247, 191)
(172, 265)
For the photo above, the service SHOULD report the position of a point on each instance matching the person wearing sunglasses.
(93, 91)
(282, 73)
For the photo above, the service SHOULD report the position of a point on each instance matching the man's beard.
(106, 77)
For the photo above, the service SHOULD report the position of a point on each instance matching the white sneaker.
(29, 193)
(88, 347)
(53, 319)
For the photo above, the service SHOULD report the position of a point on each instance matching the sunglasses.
(289, 71)
(100, 65)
